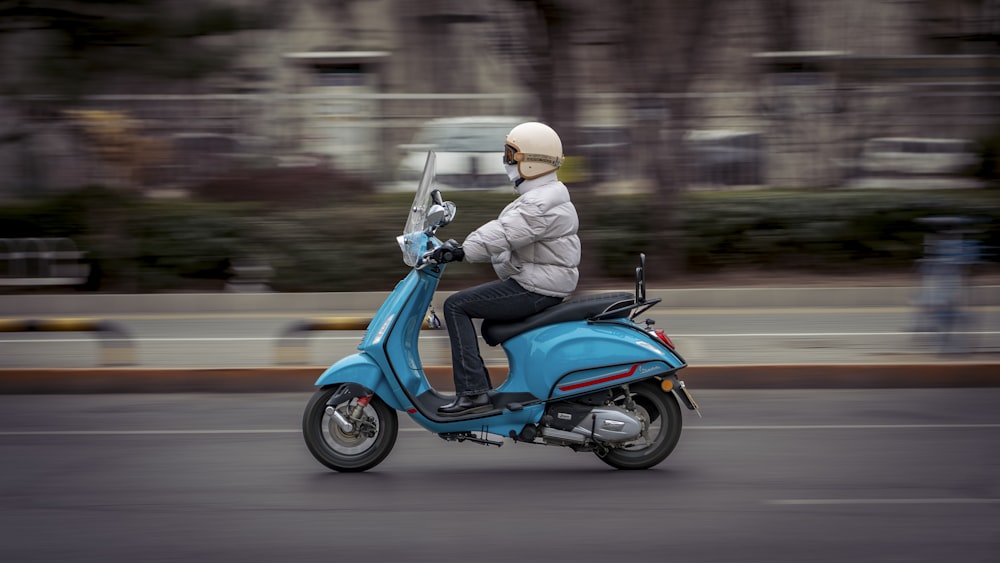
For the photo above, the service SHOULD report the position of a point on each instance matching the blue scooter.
(582, 374)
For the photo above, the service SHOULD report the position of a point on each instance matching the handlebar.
(426, 258)
(452, 253)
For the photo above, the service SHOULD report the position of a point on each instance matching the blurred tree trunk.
(781, 19)
(548, 70)
(538, 40)
(662, 47)
(664, 43)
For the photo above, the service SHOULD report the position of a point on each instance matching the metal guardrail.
(116, 343)
(31, 262)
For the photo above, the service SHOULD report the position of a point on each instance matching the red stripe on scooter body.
(582, 384)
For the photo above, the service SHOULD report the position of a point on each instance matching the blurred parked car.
(916, 162)
(911, 155)
(469, 153)
(731, 158)
(606, 152)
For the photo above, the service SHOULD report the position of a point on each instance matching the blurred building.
(776, 92)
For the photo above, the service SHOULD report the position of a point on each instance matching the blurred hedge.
(141, 245)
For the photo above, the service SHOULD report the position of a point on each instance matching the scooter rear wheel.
(663, 420)
(353, 450)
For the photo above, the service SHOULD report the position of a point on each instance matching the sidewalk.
(318, 304)
(786, 371)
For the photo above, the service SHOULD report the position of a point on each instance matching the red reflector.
(664, 338)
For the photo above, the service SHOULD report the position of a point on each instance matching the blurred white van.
(916, 162)
(469, 153)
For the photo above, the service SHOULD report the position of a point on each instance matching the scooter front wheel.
(345, 443)
(662, 422)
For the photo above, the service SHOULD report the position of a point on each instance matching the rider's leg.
(497, 300)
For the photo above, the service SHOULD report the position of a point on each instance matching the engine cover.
(573, 422)
(610, 424)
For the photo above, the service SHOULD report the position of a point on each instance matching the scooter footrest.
(468, 437)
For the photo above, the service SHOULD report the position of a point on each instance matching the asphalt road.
(875, 475)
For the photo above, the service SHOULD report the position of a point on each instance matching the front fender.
(360, 369)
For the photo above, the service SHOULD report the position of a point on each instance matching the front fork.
(354, 418)
(351, 420)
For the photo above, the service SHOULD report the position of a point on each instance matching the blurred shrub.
(349, 243)
(352, 247)
(823, 231)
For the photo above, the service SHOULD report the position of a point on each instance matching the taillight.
(664, 338)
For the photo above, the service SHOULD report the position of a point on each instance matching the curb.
(301, 378)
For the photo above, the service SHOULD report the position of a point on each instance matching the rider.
(534, 249)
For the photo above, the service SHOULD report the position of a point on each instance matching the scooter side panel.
(401, 347)
(361, 369)
(392, 308)
(540, 358)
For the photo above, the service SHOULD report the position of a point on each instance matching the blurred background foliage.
(228, 139)
(94, 40)
(347, 242)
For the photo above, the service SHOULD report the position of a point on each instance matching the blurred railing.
(117, 348)
(31, 262)
(795, 136)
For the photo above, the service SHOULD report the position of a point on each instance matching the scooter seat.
(575, 309)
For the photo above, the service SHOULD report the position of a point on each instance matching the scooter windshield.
(413, 240)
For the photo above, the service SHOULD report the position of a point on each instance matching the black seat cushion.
(575, 309)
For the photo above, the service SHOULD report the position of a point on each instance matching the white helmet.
(535, 148)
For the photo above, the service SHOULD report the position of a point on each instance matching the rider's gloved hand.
(450, 251)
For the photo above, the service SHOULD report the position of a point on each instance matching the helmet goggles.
(509, 154)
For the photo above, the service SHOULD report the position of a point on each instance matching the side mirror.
(440, 214)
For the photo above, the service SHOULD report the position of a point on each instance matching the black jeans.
(497, 300)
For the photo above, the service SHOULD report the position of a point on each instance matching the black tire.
(348, 452)
(664, 422)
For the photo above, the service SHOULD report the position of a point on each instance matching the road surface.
(862, 475)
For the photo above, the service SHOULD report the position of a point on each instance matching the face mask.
(512, 172)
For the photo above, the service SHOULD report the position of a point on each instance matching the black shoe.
(467, 404)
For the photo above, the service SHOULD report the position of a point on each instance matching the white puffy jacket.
(533, 240)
